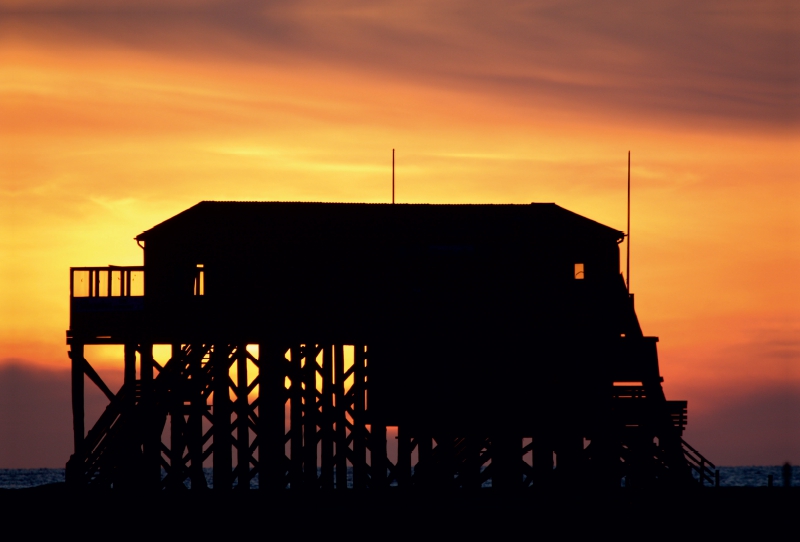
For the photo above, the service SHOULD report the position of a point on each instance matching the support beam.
(223, 457)
(542, 461)
(177, 426)
(271, 414)
(94, 377)
(378, 458)
(360, 475)
(445, 460)
(326, 420)
(150, 426)
(177, 441)
(310, 480)
(506, 461)
(340, 413)
(130, 445)
(197, 408)
(296, 418)
(403, 457)
(242, 422)
(75, 466)
(129, 372)
(424, 469)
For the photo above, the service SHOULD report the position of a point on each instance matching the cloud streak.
(706, 62)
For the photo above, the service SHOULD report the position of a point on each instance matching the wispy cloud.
(707, 60)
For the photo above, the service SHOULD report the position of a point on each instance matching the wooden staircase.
(119, 431)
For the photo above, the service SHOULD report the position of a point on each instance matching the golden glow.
(103, 138)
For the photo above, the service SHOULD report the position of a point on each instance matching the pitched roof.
(364, 220)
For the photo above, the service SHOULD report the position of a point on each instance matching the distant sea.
(728, 477)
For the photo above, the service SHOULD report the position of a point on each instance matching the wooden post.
(327, 418)
(197, 408)
(424, 469)
(360, 475)
(403, 457)
(131, 453)
(151, 437)
(271, 416)
(340, 413)
(471, 467)
(296, 419)
(310, 480)
(378, 456)
(176, 443)
(221, 414)
(502, 457)
(177, 426)
(75, 471)
(449, 460)
(542, 461)
(242, 420)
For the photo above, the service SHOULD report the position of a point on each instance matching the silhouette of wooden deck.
(499, 340)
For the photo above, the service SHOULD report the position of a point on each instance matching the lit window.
(200, 281)
(579, 275)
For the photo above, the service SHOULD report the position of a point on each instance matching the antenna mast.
(392, 176)
(628, 243)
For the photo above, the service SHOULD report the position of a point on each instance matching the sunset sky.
(116, 115)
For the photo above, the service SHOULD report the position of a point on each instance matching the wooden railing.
(704, 468)
(111, 281)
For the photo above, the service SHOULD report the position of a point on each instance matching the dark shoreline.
(391, 513)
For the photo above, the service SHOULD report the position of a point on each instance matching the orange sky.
(114, 118)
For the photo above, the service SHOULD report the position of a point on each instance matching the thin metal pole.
(392, 176)
(628, 244)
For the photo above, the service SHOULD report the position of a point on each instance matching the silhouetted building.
(499, 339)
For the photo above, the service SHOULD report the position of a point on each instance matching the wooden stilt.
(310, 408)
(198, 407)
(542, 461)
(424, 467)
(150, 427)
(296, 418)
(177, 427)
(378, 459)
(271, 422)
(221, 414)
(242, 420)
(403, 457)
(75, 466)
(340, 417)
(327, 419)
(360, 475)
(130, 449)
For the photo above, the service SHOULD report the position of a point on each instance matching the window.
(579, 274)
(199, 280)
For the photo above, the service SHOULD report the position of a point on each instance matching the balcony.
(105, 301)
